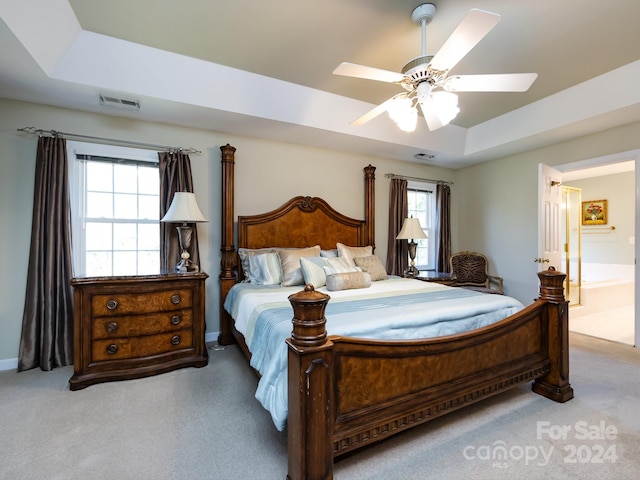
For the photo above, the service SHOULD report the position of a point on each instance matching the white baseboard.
(9, 364)
(12, 363)
(211, 337)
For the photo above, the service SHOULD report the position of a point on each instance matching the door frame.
(608, 160)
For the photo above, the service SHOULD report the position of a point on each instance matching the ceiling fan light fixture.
(423, 90)
(446, 106)
(402, 111)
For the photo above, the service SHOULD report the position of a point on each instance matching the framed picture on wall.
(594, 212)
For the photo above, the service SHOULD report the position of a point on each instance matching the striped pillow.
(264, 269)
(314, 269)
(313, 272)
(339, 265)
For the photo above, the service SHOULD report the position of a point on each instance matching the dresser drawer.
(131, 303)
(139, 347)
(135, 325)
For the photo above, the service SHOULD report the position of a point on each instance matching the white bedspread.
(390, 309)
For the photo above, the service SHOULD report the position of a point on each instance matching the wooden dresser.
(137, 326)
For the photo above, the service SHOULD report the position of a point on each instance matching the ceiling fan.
(426, 78)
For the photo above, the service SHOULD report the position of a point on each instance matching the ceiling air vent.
(424, 156)
(121, 103)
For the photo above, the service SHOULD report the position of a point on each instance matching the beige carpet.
(205, 424)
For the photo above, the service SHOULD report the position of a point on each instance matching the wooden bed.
(347, 393)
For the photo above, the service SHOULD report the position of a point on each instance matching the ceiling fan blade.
(371, 114)
(430, 116)
(507, 82)
(467, 34)
(370, 73)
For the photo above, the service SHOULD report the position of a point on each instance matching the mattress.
(392, 309)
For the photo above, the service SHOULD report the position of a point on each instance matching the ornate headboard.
(300, 222)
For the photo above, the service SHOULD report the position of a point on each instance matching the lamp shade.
(184, 208)
(411, 229)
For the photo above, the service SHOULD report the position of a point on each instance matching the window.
(115, 210)
(422, 205)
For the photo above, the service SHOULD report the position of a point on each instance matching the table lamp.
(184, 209)
(410, 230)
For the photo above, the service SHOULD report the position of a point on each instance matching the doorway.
(610, 239)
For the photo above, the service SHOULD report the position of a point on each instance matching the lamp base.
(185, 235)
(185, 266)
(412, 271)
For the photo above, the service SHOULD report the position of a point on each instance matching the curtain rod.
(418, 179)
(123, 143)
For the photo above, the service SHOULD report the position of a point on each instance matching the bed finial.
(552, 285)
(308, 317)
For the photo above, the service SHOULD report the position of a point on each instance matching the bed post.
(227, 248)
(310, 418)
(370, 205)
(555, 385)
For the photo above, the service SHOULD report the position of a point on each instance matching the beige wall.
(267, 174)
(494, 204)
(498, 204)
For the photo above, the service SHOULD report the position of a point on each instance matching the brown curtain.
(47, 320)
(397, 251)
(443, 227)
(175, 176)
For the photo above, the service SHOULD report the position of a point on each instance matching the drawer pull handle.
(112, 304)
(175, 340)
(111, 349)
(175, 299)
(112, 327)
(175, 320)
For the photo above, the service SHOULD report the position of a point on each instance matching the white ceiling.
(264, 68)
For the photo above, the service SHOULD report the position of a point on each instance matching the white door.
(549, 214)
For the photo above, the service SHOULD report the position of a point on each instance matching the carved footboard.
(346, 393)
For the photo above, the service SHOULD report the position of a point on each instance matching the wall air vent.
(122, 103)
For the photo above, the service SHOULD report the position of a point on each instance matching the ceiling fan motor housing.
(418, 71)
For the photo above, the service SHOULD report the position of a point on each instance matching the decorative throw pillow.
(347, 281)
(290, 263)
(264, 269)
(373, 265)
(313, 269)
(350, 252)
(329, 253)
(245, 253)
(339, 265)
